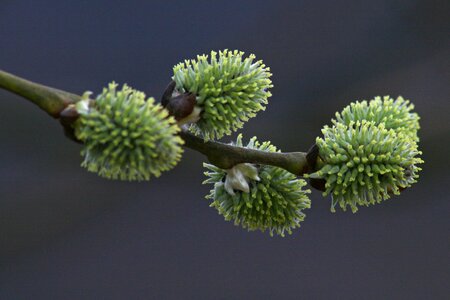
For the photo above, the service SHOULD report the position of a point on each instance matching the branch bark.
(54, 101)
(226, 156)
(50, 100)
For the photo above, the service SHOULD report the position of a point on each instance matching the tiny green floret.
(364, 162)
(230, 89)
(127, 136)
(274, 201)
(394, 114)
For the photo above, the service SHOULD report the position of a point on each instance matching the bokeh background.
(68, 234)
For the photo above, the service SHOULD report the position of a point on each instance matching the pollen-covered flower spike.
(229, 89)
(364, 162)
(394, 114)
(258, 196)
(126, 136)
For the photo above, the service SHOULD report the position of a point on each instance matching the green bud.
(275, 199)
(230, 89)
(394, 114)
(127, 136)
(364, 162)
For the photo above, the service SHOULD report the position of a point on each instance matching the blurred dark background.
(68, 234)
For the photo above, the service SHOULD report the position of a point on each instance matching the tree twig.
(226, 156)
(51, 100)
(54, 101)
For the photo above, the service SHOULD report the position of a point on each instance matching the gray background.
(68, 234)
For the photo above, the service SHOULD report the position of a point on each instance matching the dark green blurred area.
(68, 234)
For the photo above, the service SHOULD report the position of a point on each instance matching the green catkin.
(274, 203)
(394, 114)
(230, 90)
(127, 136)
(364, 162)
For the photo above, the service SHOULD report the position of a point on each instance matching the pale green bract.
(127, 136)
(275, 202)
(230, 89)
(394, 114)
(364, 162)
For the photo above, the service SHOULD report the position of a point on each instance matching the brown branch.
(54, 101)
(226, 156)
(51, 100)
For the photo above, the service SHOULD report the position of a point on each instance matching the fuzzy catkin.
(364, 162)
(274, 203)
(394, 114)
(127, 136)
(230, 89)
